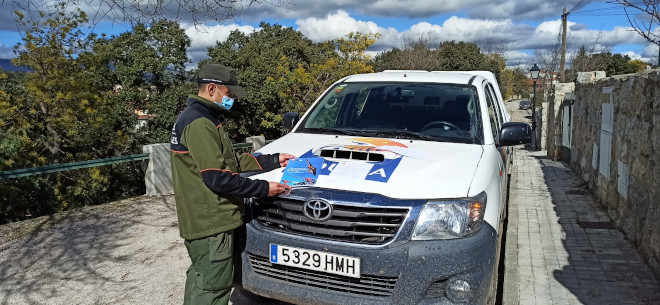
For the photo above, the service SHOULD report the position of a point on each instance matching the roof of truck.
(450, 77)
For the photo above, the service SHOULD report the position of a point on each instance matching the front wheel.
(492, 293)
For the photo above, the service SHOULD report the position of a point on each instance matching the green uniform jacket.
(207, 188)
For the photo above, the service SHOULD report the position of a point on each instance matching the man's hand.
(284, 159)
(275, 188)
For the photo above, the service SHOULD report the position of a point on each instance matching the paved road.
(561, 246)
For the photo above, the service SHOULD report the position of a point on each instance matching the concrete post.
(158, 176)
(555, 117)
(257, 142)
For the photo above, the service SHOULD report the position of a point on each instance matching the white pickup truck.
(407, 204)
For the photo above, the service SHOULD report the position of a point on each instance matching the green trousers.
(209, 278)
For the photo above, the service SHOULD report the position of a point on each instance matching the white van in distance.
(404, 199)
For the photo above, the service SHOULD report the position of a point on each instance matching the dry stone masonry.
(615, 149)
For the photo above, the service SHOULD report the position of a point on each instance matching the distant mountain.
(6, 65)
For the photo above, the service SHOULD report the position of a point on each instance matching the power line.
(601, 14)
(606, 9)
(579, 6)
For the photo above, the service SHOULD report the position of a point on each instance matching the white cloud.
(336, 25)
(650, 50)
(514, 58)
(488, 33)
(253, 12)
(480, 9)
(472, 30)
(203, 37)
(653, 58)
(650, 54)
(632, 55)
(547, 35)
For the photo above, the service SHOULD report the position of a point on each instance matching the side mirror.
(515, 133)
(290, 119)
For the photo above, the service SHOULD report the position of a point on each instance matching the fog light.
(458, 291)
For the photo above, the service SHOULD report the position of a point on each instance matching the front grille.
(357, 224)
(365, 285)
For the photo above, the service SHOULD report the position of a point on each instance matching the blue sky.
(518, 28)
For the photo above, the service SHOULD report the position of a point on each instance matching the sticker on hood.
(336, 171)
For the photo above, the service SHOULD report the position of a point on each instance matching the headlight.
(449, 219)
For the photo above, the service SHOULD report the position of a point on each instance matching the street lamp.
(534, 75)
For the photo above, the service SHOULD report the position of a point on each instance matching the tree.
(282, 70)
(63, 112)
(415, 55)
(304, 84)
(450, 55)
(644, 17)
(150, 74)
(59, 83)
(513, 82)
(639, 65)
(583, 61)
(612, 64)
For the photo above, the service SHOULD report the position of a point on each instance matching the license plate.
(315, 260)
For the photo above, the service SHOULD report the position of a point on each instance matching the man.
(207, 188)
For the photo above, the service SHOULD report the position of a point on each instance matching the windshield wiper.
(349, 132)
(406, 134)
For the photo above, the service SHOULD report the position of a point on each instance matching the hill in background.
(6, 65)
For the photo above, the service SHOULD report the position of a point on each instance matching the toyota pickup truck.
(408, 200)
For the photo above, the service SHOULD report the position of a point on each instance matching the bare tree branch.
(197, 12)
(643, 16)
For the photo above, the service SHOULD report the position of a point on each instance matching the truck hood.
(403, 169)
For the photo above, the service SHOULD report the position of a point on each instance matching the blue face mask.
(227, 102)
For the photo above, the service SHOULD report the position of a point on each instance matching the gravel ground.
(126, 252)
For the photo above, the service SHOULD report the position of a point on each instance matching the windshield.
(424, 111)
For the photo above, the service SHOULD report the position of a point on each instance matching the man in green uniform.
(207, 188)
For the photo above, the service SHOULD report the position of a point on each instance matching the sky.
(518, 28)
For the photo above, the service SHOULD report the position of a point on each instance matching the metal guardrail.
(85, 164)
(69, 166)
(242, 146)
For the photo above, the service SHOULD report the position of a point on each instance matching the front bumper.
(414, 272)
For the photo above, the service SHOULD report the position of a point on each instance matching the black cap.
(221, 75)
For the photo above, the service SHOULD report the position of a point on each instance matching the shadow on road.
(64, 252)
(601, 266)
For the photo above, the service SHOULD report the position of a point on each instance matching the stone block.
(257, 142)
(583, 77)
(158, 176)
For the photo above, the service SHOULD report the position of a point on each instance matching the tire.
(492, 293)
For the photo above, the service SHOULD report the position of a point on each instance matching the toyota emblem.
(317, 209)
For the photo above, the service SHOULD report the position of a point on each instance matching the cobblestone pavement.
(561, 246)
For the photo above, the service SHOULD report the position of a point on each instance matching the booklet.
(302, 171)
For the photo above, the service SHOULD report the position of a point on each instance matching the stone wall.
(629, 185)
(553, 113)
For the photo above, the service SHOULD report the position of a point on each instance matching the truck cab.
(408, 200)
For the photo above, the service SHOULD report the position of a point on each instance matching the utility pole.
(564, 21)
